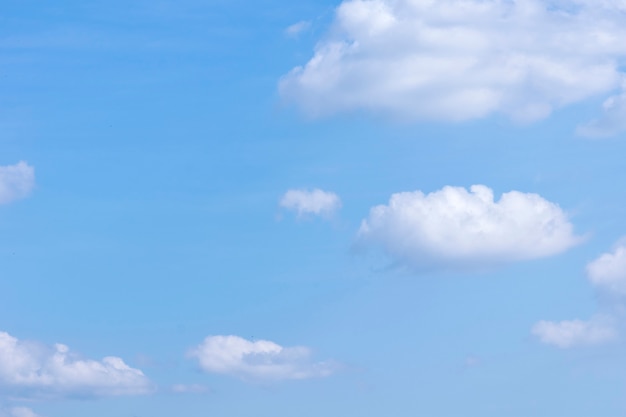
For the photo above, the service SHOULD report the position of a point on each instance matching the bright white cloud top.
(608, 272)
(315, 202)
(31, 370)
(456, 60)
(572, 333)
(454, 228)
(16, 181)
(257, 360)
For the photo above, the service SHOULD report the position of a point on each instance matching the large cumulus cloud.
(456, 228)
(463, 59)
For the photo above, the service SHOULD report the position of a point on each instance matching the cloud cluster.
(31, 370)
(454, 228)
(570, 333)
(316, 202)
(257, 360)
(456, 60)
(16, 181)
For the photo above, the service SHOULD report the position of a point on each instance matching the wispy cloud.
(16, 181)
(18, 412)
(297, 28)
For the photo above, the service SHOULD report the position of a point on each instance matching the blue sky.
(367, 207)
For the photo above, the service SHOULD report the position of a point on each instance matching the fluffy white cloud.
(317, 202)
(571, 333)
(454, 228)
(32, 370)
(608, 271)
(257, 360)
(464, 59)
(16, 181)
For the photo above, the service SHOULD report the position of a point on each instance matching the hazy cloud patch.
(311, 202)
(572, 333)
(16, 181)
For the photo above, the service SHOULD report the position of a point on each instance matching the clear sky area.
(369, 208)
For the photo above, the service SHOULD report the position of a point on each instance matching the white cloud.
(571, 333)
(297, 28)
(16, 181)
(454, 228)
(257, 360)
(31, 370)
(317, 202)
(463, 59)
(608, 271)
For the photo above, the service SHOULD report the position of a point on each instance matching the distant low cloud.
(314, 202)
(16, 181)
(257, 360)
(455, 60)
(608, 271)
(297, 28)
(572, 333)
(18, 412)
(454, 228)
(31, 370)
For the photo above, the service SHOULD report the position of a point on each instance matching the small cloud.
(257, 360)
(296, 29)
(608, 271)
(316, 202)
(16, 181)
(190, 389)
(31, 370)
(454, 228)
(570, 333)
